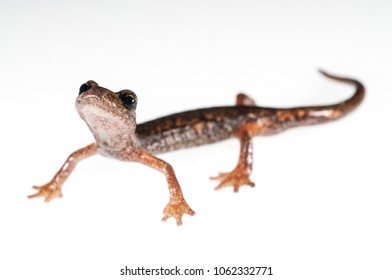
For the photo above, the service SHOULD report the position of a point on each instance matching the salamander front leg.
(240, 175)
(53, 188)
(177, 205)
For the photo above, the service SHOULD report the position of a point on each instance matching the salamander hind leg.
(243, 100)
(239, 176)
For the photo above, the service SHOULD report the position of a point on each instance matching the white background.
(321, 208)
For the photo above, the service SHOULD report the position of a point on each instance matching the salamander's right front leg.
(53, 188)
(177, 205)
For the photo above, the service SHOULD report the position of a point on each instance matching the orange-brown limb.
(177, 205)
(244, 100)
(53, 188)
(239, 176)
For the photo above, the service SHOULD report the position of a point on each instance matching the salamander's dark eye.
(128, 98)
(83, 88)
(87, 86)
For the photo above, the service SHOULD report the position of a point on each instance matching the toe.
(190, 212)
(34, 195)
(179, 221)
(220, 186)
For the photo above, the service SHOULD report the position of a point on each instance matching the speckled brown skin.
(112, 120)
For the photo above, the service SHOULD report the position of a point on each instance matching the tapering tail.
(298, 116)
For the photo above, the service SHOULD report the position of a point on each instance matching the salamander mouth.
(101, 119)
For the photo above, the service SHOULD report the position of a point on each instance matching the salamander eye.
(128, 98)
(83, 88)
(87, 86)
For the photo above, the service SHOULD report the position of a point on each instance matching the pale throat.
(111, 132)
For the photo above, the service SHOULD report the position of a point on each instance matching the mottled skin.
(112, 120)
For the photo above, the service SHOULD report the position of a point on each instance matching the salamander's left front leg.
(177, 205)
(240, 174)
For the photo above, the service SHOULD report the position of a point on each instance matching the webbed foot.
(48, 191)
(176, 209)
(236, 178)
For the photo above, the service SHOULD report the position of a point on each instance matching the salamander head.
(110, 115)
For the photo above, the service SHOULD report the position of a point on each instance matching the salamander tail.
(299, 116)
(351, 103)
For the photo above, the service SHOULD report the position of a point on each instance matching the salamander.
(111, 117)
